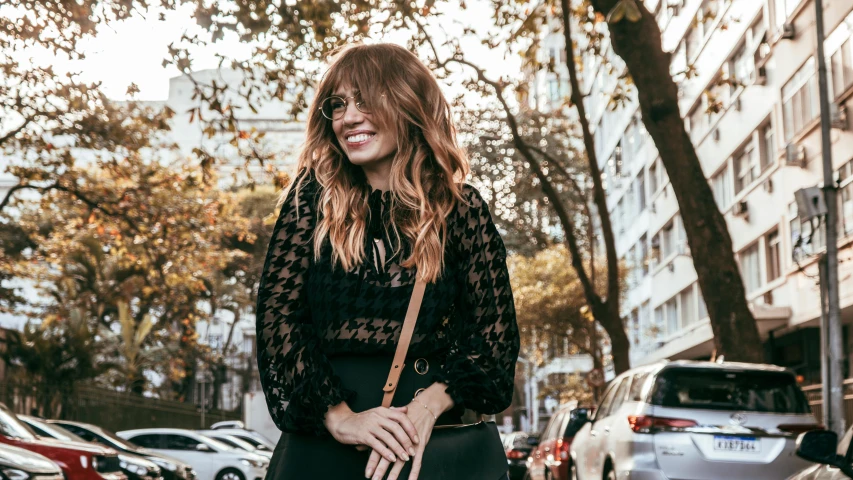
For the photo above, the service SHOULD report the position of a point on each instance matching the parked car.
(171, 468)
(257, 440)
(517, 446)
(229, 424)
(549, 459)
(212, 460)
(834, 460)
(691, 420)
(17, 463)
(235, 442)
(134, 466)
(77, 461)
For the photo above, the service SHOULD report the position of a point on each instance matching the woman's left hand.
(378, 465)
(437, 402)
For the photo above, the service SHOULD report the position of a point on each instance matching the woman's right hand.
(388, 431)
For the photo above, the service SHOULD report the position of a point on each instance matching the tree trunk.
(606, 311)
(639, 45)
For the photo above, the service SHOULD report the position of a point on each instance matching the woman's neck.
(379, 177)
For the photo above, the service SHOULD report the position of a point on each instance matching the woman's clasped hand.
(389, 432)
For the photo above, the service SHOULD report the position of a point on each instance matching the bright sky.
(132, 51)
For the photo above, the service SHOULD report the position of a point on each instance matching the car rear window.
(710, 389)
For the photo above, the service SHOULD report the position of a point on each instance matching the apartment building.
(750, 105)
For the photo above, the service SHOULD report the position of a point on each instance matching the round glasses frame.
(337, 113)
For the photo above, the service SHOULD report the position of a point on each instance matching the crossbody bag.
(454, 452)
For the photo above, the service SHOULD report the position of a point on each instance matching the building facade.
(749, 98)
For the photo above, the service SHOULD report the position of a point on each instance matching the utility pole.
(833, 403)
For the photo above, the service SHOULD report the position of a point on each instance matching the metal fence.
(815, 398)
(112, 410)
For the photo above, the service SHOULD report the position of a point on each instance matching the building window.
(687, 298)
(671, 316)
(659, 325)
(800, 100)
(767, 137)
(668, 239)
(774, 259)
(644, 255)
(847, 208)
(653, 178)
(746, 167)
(698, 120)
(722, 189)
(703, 309)
(839, 46)
(750, 268)
(640, 191)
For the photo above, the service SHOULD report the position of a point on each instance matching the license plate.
(737, 444)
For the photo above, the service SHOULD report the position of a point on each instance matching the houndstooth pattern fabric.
(308, 311)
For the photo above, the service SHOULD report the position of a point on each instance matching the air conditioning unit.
(737, 104)
(740, 208)
(788, 31)
(716, 134)
(768, 185)
(761, 75)
(795, 155)
(838, 116)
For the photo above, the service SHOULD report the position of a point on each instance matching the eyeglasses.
(335, 107)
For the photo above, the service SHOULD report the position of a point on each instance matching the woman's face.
(364, 143)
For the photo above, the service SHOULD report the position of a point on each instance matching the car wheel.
(230, 474)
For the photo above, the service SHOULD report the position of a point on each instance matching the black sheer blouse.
(308, 311)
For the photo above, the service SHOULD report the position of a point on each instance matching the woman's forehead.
(344, 90)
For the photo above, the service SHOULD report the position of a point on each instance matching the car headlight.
(250, 462)
(164, 463)
(15, 474)
(127, 464)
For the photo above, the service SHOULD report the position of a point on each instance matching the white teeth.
(359, 138)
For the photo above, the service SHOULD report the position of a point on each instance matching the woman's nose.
(352, 114)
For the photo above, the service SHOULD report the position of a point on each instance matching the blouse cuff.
(307, 415)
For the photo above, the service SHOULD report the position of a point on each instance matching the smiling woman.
(383, 259)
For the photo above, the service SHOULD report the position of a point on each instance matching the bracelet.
(427, 408)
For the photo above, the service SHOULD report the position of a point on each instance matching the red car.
(549, 459)
(77, 461)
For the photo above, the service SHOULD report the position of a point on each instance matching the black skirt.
(298, 456)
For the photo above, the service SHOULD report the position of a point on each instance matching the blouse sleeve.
(480, 368)
(292, 366)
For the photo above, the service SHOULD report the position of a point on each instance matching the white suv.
(695, 421)
(212, 460)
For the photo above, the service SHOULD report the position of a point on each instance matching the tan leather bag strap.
(405, 339)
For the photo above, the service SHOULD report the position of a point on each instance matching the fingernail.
(406, 458)
(392, 459)
(411, 452)
(417, 440)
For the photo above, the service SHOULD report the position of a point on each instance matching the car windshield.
(712, 389)
(520, 441)
(252, 441)
(216, 444)
(235, 442)
(57, 432)
(116, 440)
(10, 426)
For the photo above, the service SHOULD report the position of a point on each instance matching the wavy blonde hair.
(426, 172)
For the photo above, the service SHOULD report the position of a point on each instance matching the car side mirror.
(819, 446)
(203, 447)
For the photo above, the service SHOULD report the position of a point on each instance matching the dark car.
(518, 446)
(171, 468)
(134, 466)
(549, 459)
